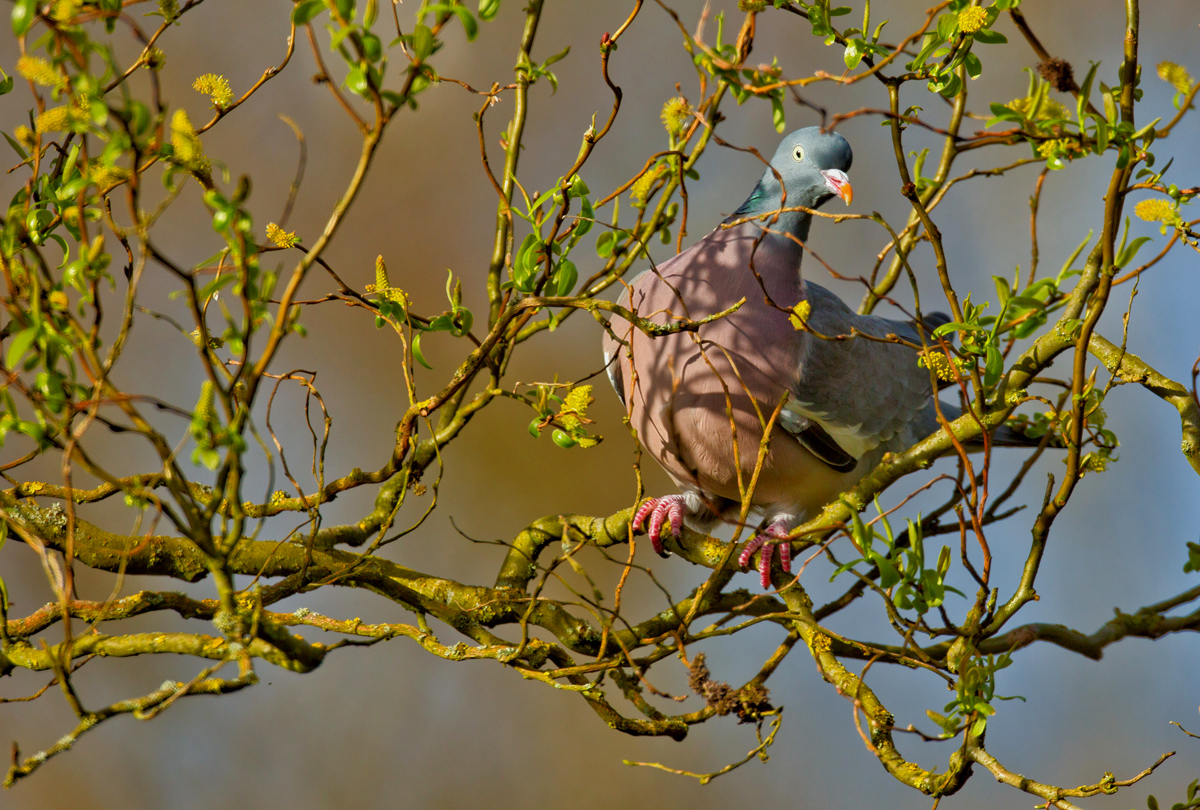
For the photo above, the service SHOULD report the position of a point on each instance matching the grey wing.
(864, 394)
(612, 367)
(612, 347)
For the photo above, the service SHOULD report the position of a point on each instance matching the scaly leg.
(778, 530)
(661, 510)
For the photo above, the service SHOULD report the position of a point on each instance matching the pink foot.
(776, 531)
(660, 511)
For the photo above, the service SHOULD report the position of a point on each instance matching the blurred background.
(393, 725)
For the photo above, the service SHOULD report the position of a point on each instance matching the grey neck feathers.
(768, 197)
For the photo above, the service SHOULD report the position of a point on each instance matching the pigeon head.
(812, 166)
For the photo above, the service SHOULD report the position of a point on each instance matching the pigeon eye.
(798, 154)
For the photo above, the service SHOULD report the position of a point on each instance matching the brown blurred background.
(395, 726)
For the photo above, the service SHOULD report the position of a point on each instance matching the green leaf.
(464, 16)
(558, 57)
(586, 218)
(994, 367)
(6, 83)
(989, 37)
(356, 82)
(973, 65)
(947, 26)
(932, 42)
(949, 87)
(416, 350)
(1003, 113)
(206, 457)
(20, 344)
(1002, 288)
(947, 328)
(1085, 90)
(523, 268)
(853, 53)
(777, 114)
(544, 198)
(566, 277)
(372, 47)
(24, 14)
(888, 575)
(304, 12)
(605, 244)
(488, 9)
(422, 42)
(1127, 255)
(16, 146)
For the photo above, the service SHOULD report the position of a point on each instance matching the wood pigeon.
(699, 400)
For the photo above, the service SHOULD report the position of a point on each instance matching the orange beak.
(839, 184)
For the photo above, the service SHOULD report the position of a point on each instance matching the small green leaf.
(605, 244)
(973, 65)
(989, 37)
(488, 9)
(854, 53)
(464, 16)
(417, 353)
(16, 146)
(995, 366)
(422, 42)
(24, 14)
(586, 218)
(1085, 91)
(566, 277)
(777, 114)
(20, 344)
(1002, 289)
(304, 12)
(372, 47)
(947, 26)
(558, 57)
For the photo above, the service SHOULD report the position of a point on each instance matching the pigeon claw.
(666, 510)
(776, 531)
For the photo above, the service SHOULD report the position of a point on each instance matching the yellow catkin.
(216, 88)
(39, 71)
(936, 360)
(169, 9)
(205, 410)
(184, 139)
(675, 114)
(1155, 210)
(57, 119)
(381, 275)
(1175, 75)
(1045, 109)
(641, 189)
(800, 314)
(105, 176)
(26, 137)
(279, 237)
(65, 10)
(971, 19)
(96, 249)
(1056, 146)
